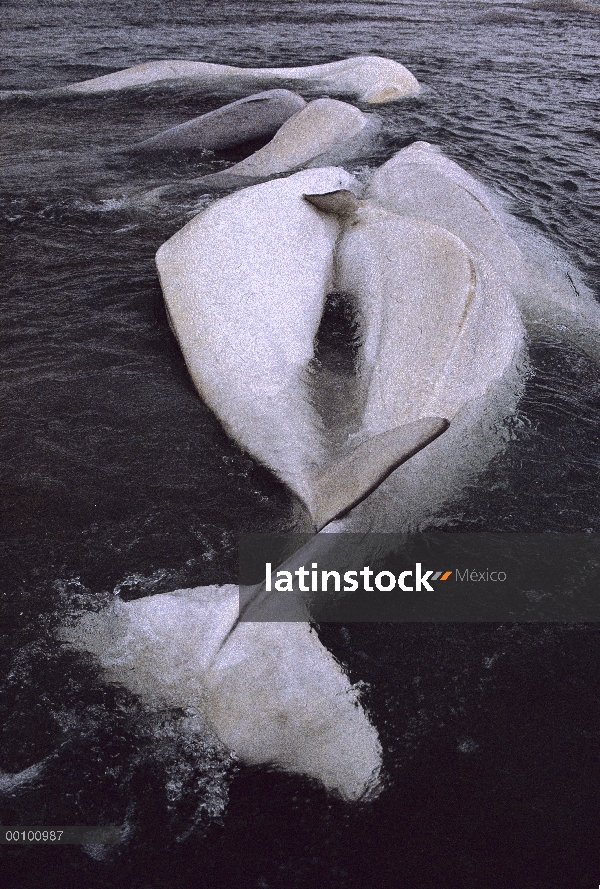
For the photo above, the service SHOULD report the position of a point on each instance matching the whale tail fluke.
(350, 480)
(270, 691)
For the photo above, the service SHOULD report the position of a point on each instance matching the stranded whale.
(255, 117)
(370, 79)
(324, 132)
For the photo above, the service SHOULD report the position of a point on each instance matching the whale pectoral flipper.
(349, 480)
(339, 203)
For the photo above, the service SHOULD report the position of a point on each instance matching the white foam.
(9, 782)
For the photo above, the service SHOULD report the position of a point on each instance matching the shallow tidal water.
(116, 478)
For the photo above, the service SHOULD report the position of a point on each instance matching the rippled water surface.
(115, 476)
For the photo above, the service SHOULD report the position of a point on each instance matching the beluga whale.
(525, 290)
(250, 119)
(326, 131)
(265, 259)
(245, 284)
(370, 79)
(269, 691)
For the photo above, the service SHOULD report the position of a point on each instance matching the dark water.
(115, 476)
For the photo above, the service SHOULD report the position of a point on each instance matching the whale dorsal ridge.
(339, 203)
(346, 482)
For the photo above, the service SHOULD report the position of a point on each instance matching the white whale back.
(370, 79)
(420, 181)
(255, 117)
(309, 719)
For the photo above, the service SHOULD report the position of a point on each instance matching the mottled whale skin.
(253, 118)
(369, 79)
(326, 131)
